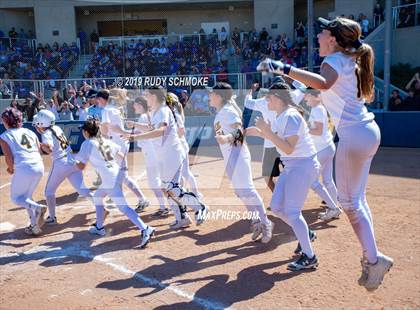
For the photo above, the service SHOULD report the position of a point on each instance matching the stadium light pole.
(387, 58)
(310, 34)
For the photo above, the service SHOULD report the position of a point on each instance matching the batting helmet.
(44, 119)
(12, 117)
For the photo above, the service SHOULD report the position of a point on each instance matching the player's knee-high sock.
(300, 228)
(322, 192)
(100, 216)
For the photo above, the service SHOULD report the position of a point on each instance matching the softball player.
(173, 103)
(324, 144)
(151, 159)
(112, 126)
(290, 135)
(347, 78)
(271, 158)
(21, 149)
(169, 149)
(103, 155)
(236, 156)
(54, 142)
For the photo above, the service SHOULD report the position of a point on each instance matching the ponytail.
(364, 72)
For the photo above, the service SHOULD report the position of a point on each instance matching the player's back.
(23, 144)
(56, 138)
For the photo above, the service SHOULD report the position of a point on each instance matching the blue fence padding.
(398, 129)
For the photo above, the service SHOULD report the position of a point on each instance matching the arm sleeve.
(84, 153)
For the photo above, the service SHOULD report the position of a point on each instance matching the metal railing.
(15, 42)
(406, 15)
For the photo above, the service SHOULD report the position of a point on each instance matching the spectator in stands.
(236, 38)
(405, 18)
(300, 32)
(5, 92)
(84, 44)
(378, 15)
(13, 34)
(94, 40)
(414, 83)
(223, 37)
(364, 24)
(411, 103)
(65, 112)
(83, 111)
(395, 102)
(53, 107)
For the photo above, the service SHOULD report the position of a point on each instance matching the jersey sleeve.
(84, 153)
(293, 125)
(232, 118)
(106, 116)
(161, 118)
(334, 60)
(317, 115)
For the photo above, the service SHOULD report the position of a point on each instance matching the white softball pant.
(356, 148)
(153, 176)
(24, 182)
(238, 169)
(117, 196)
(63, 168)
(327, 189)
(290, 194)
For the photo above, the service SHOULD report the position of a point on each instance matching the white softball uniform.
(168, 147)
(301, 169)
(102, 156)
(325, 153)
(112, 116)
(237, 161)
(261, 105)
(63, 167)
(186, 171)
(359, 139)
(28, 167)
(152, 164)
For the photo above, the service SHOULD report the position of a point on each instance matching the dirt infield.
(213, 266)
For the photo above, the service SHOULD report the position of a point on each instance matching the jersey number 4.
(25, 142)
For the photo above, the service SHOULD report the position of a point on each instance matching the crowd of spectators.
(198, 54)
(412, 101)
(20, 60)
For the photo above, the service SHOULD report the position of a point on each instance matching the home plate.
(6, 226)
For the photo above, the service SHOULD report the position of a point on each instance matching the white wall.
(17, 19)
(280, 12)
(178, 21)
(55, 15)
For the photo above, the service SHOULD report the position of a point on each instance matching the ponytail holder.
(358, 43)
(169, 99)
